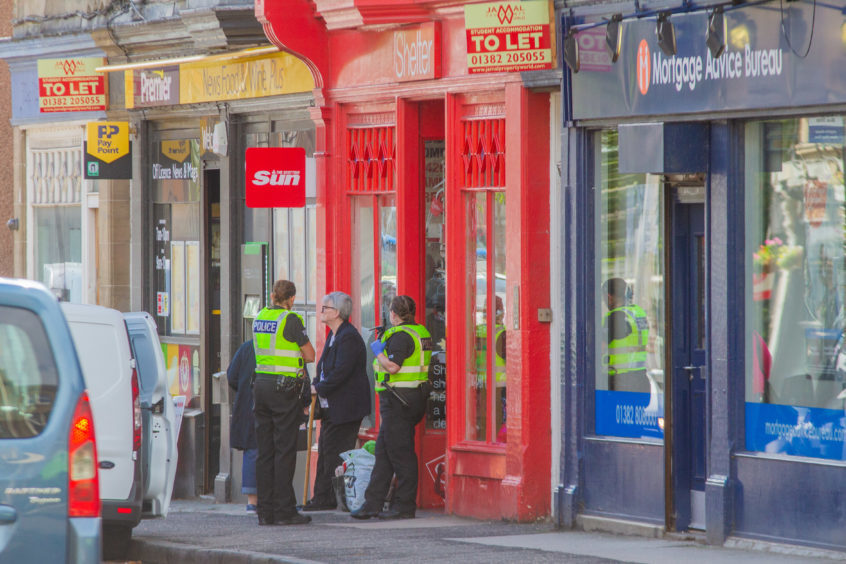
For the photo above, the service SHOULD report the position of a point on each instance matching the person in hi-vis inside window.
(627, 335)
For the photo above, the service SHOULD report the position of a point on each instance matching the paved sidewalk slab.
(645, 551)
(417, 523)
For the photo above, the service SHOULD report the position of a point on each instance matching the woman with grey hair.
(343, 391)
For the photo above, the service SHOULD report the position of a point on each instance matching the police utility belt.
(284, 383)
(415, 384)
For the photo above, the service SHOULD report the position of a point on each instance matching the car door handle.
(7, 514)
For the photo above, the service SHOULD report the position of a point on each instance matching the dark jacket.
(242, 431)
(344, 369)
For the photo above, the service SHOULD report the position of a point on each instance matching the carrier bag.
(359, 465)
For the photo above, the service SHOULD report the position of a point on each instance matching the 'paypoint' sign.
(276, 177)
(108, 152)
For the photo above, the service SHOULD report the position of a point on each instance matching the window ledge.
(479, 460)
(472, 446)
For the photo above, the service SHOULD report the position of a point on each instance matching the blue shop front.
(704, 272)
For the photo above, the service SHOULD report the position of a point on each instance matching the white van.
(109, 368)
(158, 415)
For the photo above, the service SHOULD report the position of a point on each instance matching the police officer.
(628, 332)
(402, 368)
(282, 349)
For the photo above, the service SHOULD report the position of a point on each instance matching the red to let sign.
(71, 85)
(508, 36)
(276, 177)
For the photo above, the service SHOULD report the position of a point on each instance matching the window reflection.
(28, 374)
(363, 290)
(795, 350)
(435, 209)
(486, 250)
(499, 334)
(477, 384)
(629, 299)
(387, 256)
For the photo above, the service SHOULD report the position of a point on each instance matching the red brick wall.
(6, 176)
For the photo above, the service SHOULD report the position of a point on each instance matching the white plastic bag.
(359, 465)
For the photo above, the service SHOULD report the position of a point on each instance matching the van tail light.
(83, 481)
(136, 412)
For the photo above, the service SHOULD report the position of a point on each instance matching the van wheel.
(116, 541)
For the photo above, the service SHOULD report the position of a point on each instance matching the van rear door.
(103, 349)
(159, 414)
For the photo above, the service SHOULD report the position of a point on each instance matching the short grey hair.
(340, 301)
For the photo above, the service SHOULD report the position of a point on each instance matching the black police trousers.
(395, 451)
(278, 415)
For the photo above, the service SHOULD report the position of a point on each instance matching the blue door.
(689, 385)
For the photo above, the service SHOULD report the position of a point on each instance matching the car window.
(28, 376)
(145, 364)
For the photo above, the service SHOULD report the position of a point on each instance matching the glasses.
(324, 308)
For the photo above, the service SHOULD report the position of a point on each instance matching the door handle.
(689, 370)
(7, 514)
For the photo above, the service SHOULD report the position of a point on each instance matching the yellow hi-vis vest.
(629, 354)
(415, 368)
(481, 355)
(275, 355)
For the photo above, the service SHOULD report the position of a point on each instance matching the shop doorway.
(689, 343)
(432, 178)
(211, 339)
(398, 243)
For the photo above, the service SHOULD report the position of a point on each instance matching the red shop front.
(435, 183)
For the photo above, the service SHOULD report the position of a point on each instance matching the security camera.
(13, 224)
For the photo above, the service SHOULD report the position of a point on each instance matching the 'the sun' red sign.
(276, 177)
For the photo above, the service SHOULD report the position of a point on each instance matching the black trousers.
(335, 438)
(278, 416)
(395, 451)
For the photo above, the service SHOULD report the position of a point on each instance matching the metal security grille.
(55, 176)
(483, 153)
(371, 160)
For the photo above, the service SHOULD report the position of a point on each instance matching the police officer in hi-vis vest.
(628, 334)
(282, 349)
(402, 372)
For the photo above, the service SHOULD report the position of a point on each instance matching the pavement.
(201, 530)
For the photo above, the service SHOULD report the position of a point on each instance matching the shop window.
(485, 330)
(629, 298)
(58, 250)
(795, 287)
(176, 219)
(55, 186)
(295, 258)
(371, 181)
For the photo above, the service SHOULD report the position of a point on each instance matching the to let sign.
(508, 36)
(71, 85)
(275, 177)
